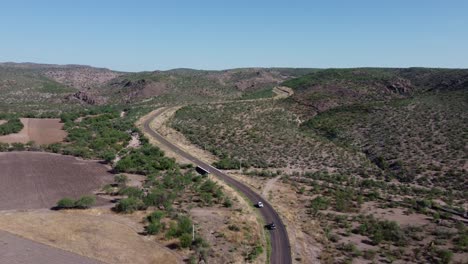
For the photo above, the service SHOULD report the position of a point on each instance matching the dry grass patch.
(95, 233)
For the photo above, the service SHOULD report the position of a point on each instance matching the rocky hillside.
(411, 123)
(29, 86)
(194, 85)
(26, 83)
(326, 89)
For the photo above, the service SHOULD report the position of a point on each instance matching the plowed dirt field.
(32, 180)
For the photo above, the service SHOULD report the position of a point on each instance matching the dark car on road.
(271, 226)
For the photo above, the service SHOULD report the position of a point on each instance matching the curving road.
(280, 248)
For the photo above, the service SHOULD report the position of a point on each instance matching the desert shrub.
(183, 226)
(155, 216)
(444, 255)
(55, 147)
(369, 254)
(185, 240)
(11, 126)
(129, 205)
(380, 231)
(4, 147)
(100, 136)
(159, 197)
(121, 179)
(85, 202)
(234, 228)
(351, 248)
(82, 203)
(153, 228)
(319, 203)
(344, 200)
(17, 146)
(145, 160)
(227, 164)
(108, 189)
(107, 155)
(207, 198)
(131, 191)
(209, 190)
(66, 203)
(461, 241)
(227, 202)
(154, 220)
(256, 251)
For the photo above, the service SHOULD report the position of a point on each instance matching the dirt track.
(30, 180)
(17, 250)
(41, 131)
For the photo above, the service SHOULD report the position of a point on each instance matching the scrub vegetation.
(375, 157)
(372, 150)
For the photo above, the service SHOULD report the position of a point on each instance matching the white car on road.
(260, 205)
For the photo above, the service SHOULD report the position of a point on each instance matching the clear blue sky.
(149, 35)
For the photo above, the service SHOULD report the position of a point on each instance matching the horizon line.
(224, 69)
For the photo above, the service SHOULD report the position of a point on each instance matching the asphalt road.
(280, 247)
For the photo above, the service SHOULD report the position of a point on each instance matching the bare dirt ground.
(30, 180)
(17, 250)
(95, 233)
(396, 214)
(269, 185)
(41, 131)
(2, 122)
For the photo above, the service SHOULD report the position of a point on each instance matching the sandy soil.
(41, 131)
(396, 214)
(269, 185)
(17, 250)
(134, 142)
(282, 92)
(31, 180)
(2, 122)
(95, 233)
